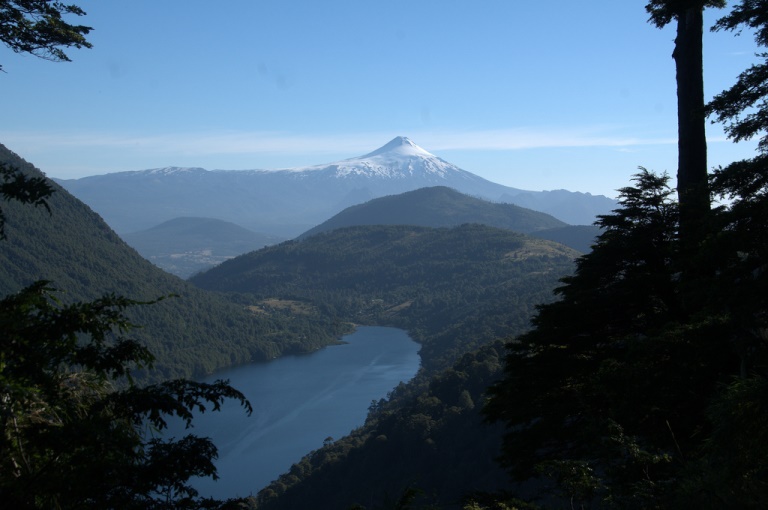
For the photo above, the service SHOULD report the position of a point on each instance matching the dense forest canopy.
(418, 278)
(642, 385)
(658, 401)
(191, 334)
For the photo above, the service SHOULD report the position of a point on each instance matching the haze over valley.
(229, 281)
(186, 219)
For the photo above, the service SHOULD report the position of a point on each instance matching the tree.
(631, 393)
(692, 171)
(75, 431)
(744, 108)
(38, 27)
(576, 397)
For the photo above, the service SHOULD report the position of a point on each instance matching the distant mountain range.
(193, 334)
(455, 289)
(184, 246)
(288, 202)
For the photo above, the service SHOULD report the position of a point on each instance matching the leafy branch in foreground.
(74, 430)
(37, 27)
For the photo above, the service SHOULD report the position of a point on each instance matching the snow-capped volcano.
(400, 158)
(401, 146)
(290, 201)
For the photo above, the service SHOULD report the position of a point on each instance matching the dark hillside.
(578, 237)
(457, 291)
(191, 335)
(438, 206)
(184, 246)
(418, 278)
(429, 436)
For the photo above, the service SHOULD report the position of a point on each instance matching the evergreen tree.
(575, 394)
(641, 388)
(692, 168)
(75, 432)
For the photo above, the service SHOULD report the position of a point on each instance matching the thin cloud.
(537, 138)
(250, 143)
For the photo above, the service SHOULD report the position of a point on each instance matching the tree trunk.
(692, 186)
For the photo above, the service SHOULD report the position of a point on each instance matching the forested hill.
(457, 291)
(192, 334)
(438, 206)
(419, 278)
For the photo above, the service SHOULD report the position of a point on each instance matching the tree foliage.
(663, 12)
(743, 108)
(191, 336)
(618, 393)
(75, 432)
(640, 388)
(39, 27)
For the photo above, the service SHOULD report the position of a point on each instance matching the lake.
(298, 402)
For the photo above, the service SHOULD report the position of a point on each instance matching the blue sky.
(534, 95)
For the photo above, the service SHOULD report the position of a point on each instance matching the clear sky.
(531, 94)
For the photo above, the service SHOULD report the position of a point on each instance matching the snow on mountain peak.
(401, 146)
(398, 159)
(171, 170)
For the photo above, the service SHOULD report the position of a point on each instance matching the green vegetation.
(38, 27)
(192, 334)
(75, 430)
(68, 438)
(438, 206)
(425, 280)
(457, 291)
(643, 385)
(659, 400)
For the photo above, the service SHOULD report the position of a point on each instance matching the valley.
(386, 330)
(456, 289)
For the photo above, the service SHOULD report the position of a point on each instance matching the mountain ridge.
(290, 201)
(191, 335)
(438, 206)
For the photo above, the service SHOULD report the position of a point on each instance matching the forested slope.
(426, 280)
(438, 206)
(457, 291)
(192, 334)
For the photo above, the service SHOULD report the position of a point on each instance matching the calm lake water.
(299, 401)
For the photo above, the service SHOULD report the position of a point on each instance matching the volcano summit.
(288, 202)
